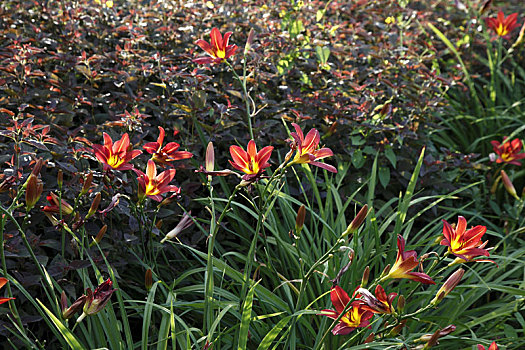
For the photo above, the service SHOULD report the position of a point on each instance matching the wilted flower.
(184, 223)
(153, 185)
(307, 149)
(356, 315)
(380, 303)
(463, 243)
(509, 151)
(432, 339)
(218, 48)
(55, 205)
(116, 155)
(3, 281)
(501, 25)
(68, 312)
(405, 262)
(448, 286)
(166, 154)
(95, 301)
(492, 346)
(252, 163)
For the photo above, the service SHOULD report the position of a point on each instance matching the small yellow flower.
(390, 20)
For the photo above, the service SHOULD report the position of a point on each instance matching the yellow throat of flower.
(352, 318)
(501, 30)
(220, 53)
(115, 161)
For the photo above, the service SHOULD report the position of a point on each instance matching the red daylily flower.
(501, 25)
(252, 163)
(116, 155)
(356, 315)
(153, 185)
(307, 151)
(218, 48)
(380, 303)
(509, 151)
(405, 262)
(463, 243)
(166, 154)
(492, 346)
(3, 281)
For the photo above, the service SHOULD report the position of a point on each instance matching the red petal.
(339, 299)
(264, 155)
(239, 156)
(252, 150)
(461, 227)
(160, 140)
(206, 47)
(298, 132)
(311, 140)
(448, 231)
(216, 39)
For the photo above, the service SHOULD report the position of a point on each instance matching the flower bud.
(432, 339)
(87, 184)
(210, 157)
(401, 303)
(508, 185)
(249, 41)
(60, 178)
(299, 220)
(148, 279)
(33, 191)
(358, 220)
(99, 235)
(366, 275)
(397, 329)
(37, 167)
(448, 286)
(94, 206)
(385, 272)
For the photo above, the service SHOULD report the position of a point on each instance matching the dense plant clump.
(255, 175)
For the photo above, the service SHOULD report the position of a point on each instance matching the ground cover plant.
(286, 175)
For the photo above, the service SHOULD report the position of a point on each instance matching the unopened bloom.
(218, 48)
(153, 185)
(509, 186)
(501, 25)
(166, 154)
(356, 315)
(463, 243)
(250, 162)
(55, 205)
(3, 281)
(448, 286)
(33, 191)
(492, 346)
(405, 262)
(307, 149)
(508, 151)
(381, 303)
(116, 155)
(68, 312)
(95, 301)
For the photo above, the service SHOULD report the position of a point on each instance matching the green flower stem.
(242, 81)
(48, 288)
(209, 284)
(12, 304)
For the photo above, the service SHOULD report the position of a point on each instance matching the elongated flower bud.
(148, 279)
(87, 184)
(358, 220)
(448, 286)
(60, 178)
(210, 157)
(299, 220)
(366, 275)
(94, 206)
(33, 191)
(100, 235)
(508, 185)
(401, 303)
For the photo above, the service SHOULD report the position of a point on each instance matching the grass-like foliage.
(287, 175)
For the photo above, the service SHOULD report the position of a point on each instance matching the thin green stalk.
(242, 81)
(12, 304)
